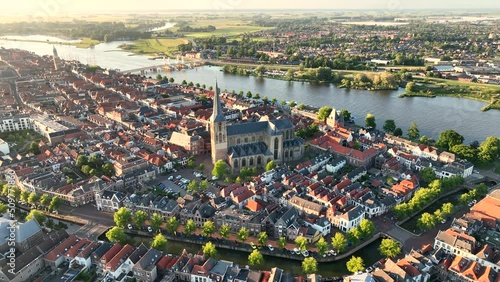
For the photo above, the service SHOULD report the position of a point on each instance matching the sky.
(60, 7)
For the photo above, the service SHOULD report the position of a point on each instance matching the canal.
(431, 115)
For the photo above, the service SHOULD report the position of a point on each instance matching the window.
(235, 162)
(243, 163)
(251, 161)
(238, 141)
(286, 135)
(259, 160)
(253, 138)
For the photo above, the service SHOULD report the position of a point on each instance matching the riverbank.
(153, 46)
(84, 43)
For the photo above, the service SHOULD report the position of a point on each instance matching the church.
(252, 144)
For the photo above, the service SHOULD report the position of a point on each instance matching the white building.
(350, 219)
(4, 147)
(15, 123)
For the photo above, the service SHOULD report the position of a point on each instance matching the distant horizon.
(55, 8)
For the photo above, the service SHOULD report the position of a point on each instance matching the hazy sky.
(60, 7)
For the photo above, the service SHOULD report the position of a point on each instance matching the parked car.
(129, 226)
(253, 245)
(270, 247)
(150, 229)
(170, 178)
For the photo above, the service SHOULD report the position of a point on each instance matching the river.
(432, 115)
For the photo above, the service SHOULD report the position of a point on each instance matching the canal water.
(432, 115)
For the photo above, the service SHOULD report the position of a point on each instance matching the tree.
(140, 217)
(274, 101)
(489, 150)
(55, 203)
(156, 221)
(309, 265)
(355, 264)
(171, 80)
(172, 225)
(224, 231)
(203, 186)
(426, 221)
(324, 112)
(256, 96)
(208, 228)
(302, 107)
(116, 235)
(37, 215)
(465, 152)
(449, 138)
(122, 217)
(346, 114)
(389, 126)
(45, 200)
(209, 249)
(5, 189)
(270, 165)
(367, 227)
(219, 169)
(108, 169)
(255, 258)
(389, 248)
(192, 187)
(339, 242)
(413, 132)
(3, 208)
(190, 227)
(427, 175)
(262, 238)
(370, 121)
(281, 242)
(249, 94)
(34, 148)
(81, 160)
(86, 169)
(191, 163)
(322, 246)
(159, 241)
(301, 243)
(292, 104)
(398, 132)
(410, 87)
(260, 70)
(447, 209)
(354, 235)
(32, 198)
(159, 77)
(243, 234)
(184, 82)
(15, 193)
(24, 196)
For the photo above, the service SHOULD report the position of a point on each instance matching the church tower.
(55, 57)
(218, 132)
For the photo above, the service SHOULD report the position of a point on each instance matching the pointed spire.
(218, 114)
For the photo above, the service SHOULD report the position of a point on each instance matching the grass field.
(87, 43)
(228, 31)
(155, 45)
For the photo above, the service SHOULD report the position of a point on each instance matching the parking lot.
(177, 182)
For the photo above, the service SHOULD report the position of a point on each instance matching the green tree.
(424, 140)
(191, 163)
(301, 243)
(410, 87)
(427, 175)
(426, 221)
(172, 225)
(255, 258)
(465, 152)
(192, 187)
(262, 238)
(209, 250)
(489, 150)
(15, 193)
(33, 198)
(224, 231)
(203, 186)
(413, 132)
(140, 217)
(447, 209)
(219, 169)
(355, 264)
(5, 189)
(389, 248)
(81, 161)
(45, 200)
(171, 80)
(116, 235)
(302, 107)
(354, 235)
(281, 242)
(156, 221)
(367, 227)
(24, 196)
(274, 101)
(159, 77)
(208, 228)
(389, 126)
(346, 114)
(159, 241)
(324, 112)
(270, 165)
(322, 246)
(309, 265)
(3, 208)
(260, 70)
(449, 138)
(339, 242)
(55, 203)
(292, 104)
(122, 217)
(86, 169)
(398, 132)
(108, 169)
(34, 148)
(243, 234)
(184, 82)
(249, 94)
(370, 121)
(37, 215)
(190, 227)
(256, 96)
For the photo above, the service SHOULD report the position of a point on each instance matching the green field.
(155, 45)
(228, 31)
(84, 43)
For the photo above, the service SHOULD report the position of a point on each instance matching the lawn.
(228, 31)
(87, 43)
(155, 45)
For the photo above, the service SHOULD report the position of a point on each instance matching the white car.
(150, 229)
(443, 221)
(129, 226)
(270, 247)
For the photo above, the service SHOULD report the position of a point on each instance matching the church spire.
(217, 114)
